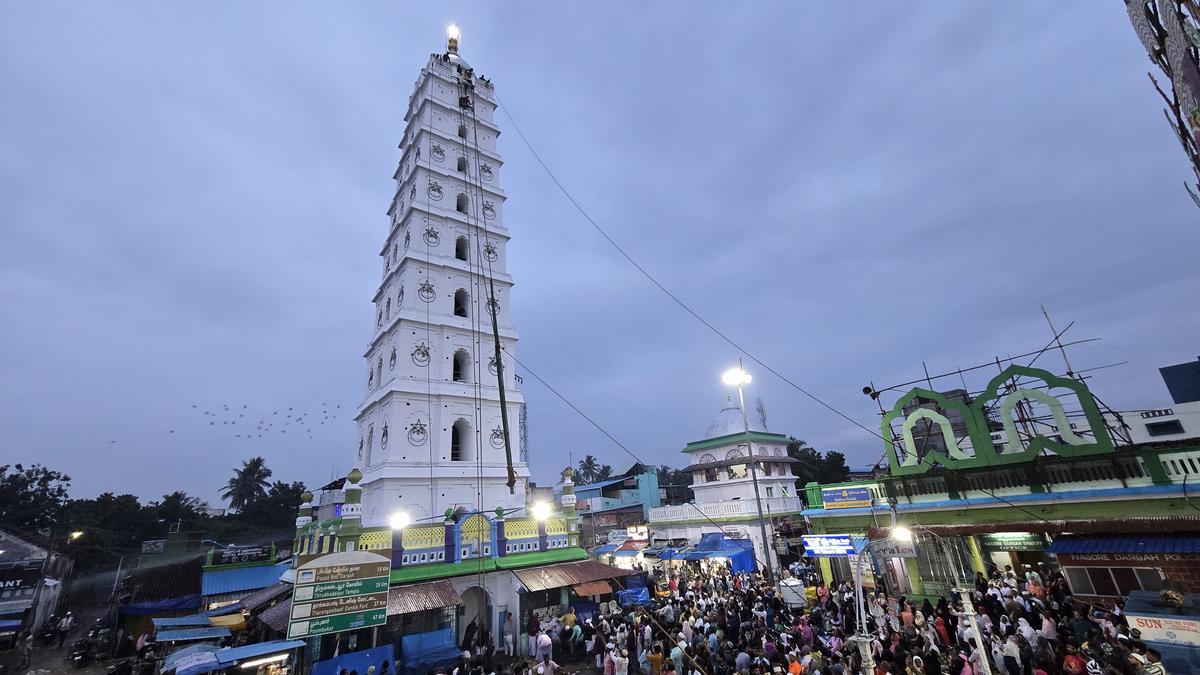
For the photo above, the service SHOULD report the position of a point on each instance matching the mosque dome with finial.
(729, 421)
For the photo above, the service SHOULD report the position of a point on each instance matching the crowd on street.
(716, 622)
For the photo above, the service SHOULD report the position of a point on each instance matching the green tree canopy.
(589, 466)
(31, 497)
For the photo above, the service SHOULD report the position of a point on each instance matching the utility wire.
(665, 290)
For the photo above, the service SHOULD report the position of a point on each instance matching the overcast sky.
(194, 197)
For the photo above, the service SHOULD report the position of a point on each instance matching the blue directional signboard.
(828, 545)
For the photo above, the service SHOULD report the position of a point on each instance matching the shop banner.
(895, 549)
(1012, 541)
(845, 498)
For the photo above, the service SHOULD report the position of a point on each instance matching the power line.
(665, 290)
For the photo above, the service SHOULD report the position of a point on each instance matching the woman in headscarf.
(1027, 631)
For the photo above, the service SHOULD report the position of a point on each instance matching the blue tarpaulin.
(584, 610)
(356, 661)
(175, 657)
(235, 654)
(634, 596)
(10, 623)
(604, 549)
(423, 652)
(182, 603)
(218, 582)
(194, 621)
(191, 634)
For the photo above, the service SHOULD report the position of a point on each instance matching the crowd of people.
(716, 622)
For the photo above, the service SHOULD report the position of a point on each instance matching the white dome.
(729, 421)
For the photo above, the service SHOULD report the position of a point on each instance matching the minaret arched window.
(461, 368)
(460, 302)
(462, 164)
(387, 310)
(461, 202)
(379, 371)
(460, 441)
(460, 248)
(462, 131)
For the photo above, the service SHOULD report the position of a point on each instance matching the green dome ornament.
(306, 497)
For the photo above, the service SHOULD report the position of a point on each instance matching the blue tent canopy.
(195, 621)
(182, 603)
(178, 655)
(425, 652)
(626, 554)
(235, 654)
(191, 634)
(604, 549)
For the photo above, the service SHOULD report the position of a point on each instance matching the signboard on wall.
(896, 549)
(1012, 541)
(339, 592)
(828, 545)
(846, 497)
(1167, 629)
(241, 554)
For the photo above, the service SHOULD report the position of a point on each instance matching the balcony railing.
(727, 509)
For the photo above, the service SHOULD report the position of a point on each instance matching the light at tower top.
(452, 35)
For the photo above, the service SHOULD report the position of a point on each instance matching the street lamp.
(540, 510)
(75, 535)
(400, 520)
(452, 36)
(740, 378)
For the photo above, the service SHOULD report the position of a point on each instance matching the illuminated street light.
(541, 510)
(735, 377)
(452, 35)
(902, 533)
(400, 520)
(75, 535)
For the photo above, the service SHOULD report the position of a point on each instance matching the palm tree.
(248, 485)
(604, 473)
(588, 468)
(177, 507)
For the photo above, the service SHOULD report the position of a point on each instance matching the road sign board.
(828, 545)
(338, 592)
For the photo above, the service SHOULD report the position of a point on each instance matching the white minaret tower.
(430, 433)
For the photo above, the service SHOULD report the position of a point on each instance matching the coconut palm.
(177, 507)
(248, 485)
(589, 466)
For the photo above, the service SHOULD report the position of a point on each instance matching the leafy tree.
(112, 526)
(604, 473)
(815, 468)
(177, 507)
(275, 512)
(248, 485)
(31, 497)
(588, 468)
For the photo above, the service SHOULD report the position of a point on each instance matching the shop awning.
(234, 654)
(695, 555)
(231, 621)
(631, 548)
(626, 553)
(567, 574)
(420, 597)
(671, 554)
(604, 549)
(592, 588)
(186, 634)
(189, 654)
(652, 551)
(6, 624)
(1183, 545)
(220, 582)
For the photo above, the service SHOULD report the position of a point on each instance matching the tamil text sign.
(340, 591)
(828, 545)
(845, 497)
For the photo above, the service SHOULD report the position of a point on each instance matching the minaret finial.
(452, 35)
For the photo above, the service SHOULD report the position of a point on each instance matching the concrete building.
(722, 484)
(1182, 418)
(616, 504)
(992, 505)
(32, 580)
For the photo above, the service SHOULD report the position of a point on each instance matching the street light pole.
(741, 378)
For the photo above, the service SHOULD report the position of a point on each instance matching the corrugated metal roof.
(216, 582)
(593, 588)
(567, 574)
(235, 654)
(420, 597)
(258, 598)
(277, 616)
(191, 634)
(1127, 545)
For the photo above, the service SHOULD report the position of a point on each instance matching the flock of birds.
(240, 422)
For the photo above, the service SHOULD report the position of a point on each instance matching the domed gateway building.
(722, 524)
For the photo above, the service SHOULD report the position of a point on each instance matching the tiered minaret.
(430, 433)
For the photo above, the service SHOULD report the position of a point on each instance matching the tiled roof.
(278, 615)
(1184, 545)
(216, 582)
(567, 574)
(420, 597)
